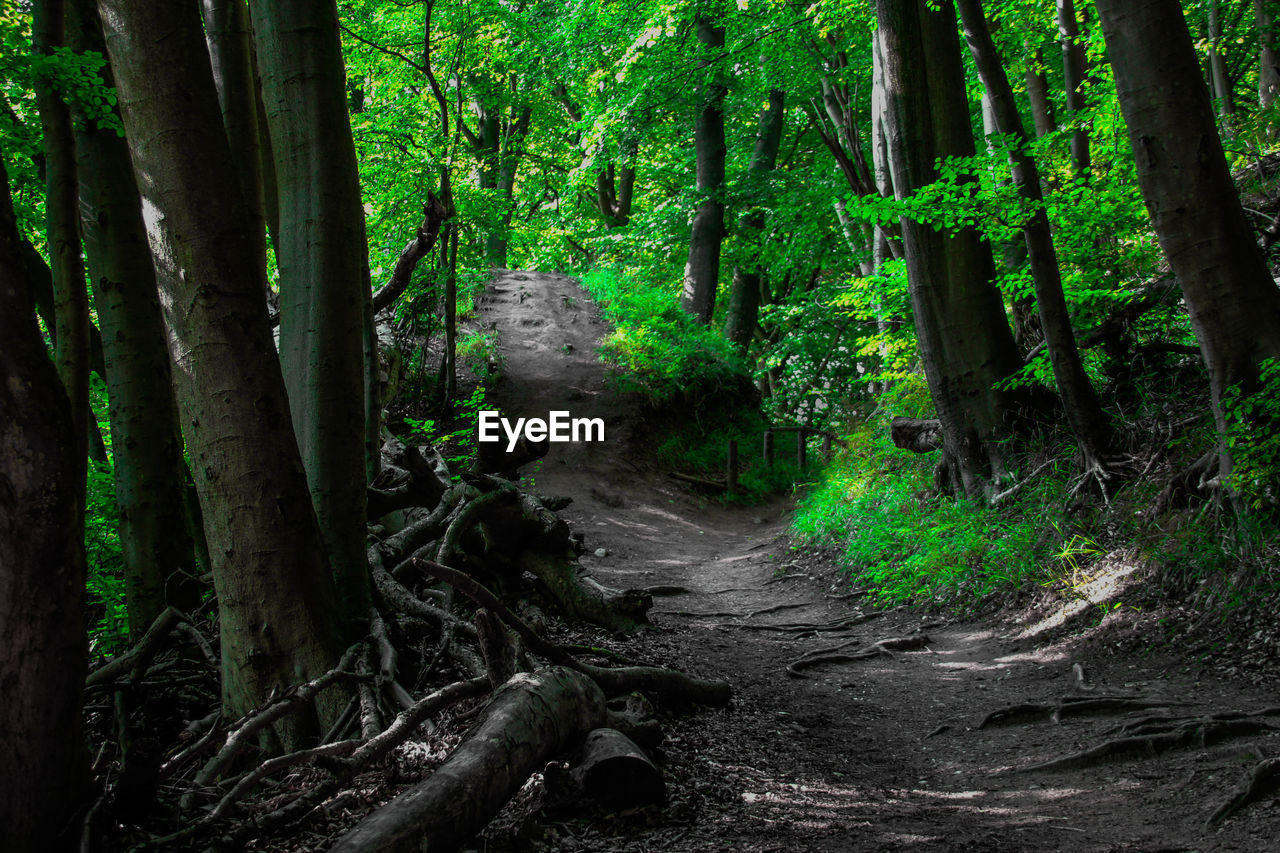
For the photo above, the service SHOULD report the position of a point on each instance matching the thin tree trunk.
(1038, 95)
(1218, 69)
(278, 611)
(702, 270)
(1232, 299)
(965, 343)
(62, 231)
(42, 755)
(1084, 412)
(744, 299)
(1268, 56)
(1073, 74)
(323, 261)
(230, 39)
(159, 555)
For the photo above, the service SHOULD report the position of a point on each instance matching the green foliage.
(1253, 439)
(457, 440)
(656, 350)
(702, 448)
(875, 505)
(104, 561)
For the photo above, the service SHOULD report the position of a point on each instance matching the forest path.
(878, 754)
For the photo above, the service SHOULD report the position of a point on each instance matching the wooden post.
(800, 448)
(768, 448)
(731, 471)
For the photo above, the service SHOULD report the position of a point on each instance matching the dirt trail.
(878, 754)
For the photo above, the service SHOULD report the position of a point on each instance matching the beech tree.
(965, 343)
(322, 254)
(1230, 295)
(42, 572)
(702, 271)
(278, 612)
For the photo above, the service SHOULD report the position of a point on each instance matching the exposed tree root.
(1258, 783)
(834, 654)
(1201, 732)
(841, 624)
(1070, 706)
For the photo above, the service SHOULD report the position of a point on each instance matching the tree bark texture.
(702, 270)
(1218, 74)
(42, 643)
(278, 612)
(1268, 55)
(964, 339)
(1038, 94)
(743, 312)
(531, 719)
(323, 263)
(150, 481)
(229, 35)
(62, 230)
(1073, 74)
(1084, 411)
(1229, 292)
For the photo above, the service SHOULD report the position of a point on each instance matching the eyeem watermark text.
(558, 427)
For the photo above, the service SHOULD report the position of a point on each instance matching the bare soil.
(883, 753)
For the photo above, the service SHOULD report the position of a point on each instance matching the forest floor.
(883, 753)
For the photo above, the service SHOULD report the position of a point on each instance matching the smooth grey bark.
(743, 311)
(42, 755)
(1268, 55)
(150, 481)
(1229, 292)
(322, 255)
(1218, 67)
(62, 229)
(964, 340)
(278, 612)
(1038, 94)
(1084, 411)
(702, 269)
(229, 35)
(1073, 76)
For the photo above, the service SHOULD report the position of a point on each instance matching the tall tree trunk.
(62, 230)
(509, 161)
(159, 556)
(1084, 412)
(1218, 68)
(230, 39)
(1073, 75)
(447, 385)
(323, 263)
(278, 612)
(1232, 299)
(965, 343)
(1268, 55)
(42, 754)
(702, 270)
(1038, 94)
(744, 299)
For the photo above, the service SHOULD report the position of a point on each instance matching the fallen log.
(532, 718)
(616, 773)
(919, 435)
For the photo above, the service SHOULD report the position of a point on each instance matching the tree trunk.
(230, 39)
(702, 270)
(1084, 412)
(1232, 299)
(42, 754)
(964, 339)
(323, 263)
(62, 231)
(509, 160)
(744, 299)
(534, 717)
(1218, 68)
(1268, 56)
(159, 556)
(1073, 74)
(1038, 95)
(278, 611)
